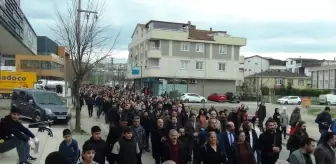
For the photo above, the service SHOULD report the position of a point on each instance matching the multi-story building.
(323, 77)
(256, 64)
(169, 56)
(305, 66)
(48, 64)
(16, 34)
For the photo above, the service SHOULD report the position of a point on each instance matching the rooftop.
(273, 73)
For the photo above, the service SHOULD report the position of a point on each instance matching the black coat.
(295, 139)
(157, 145)
(265, 144)
(100, 147)
(236, 153)
(209, 156)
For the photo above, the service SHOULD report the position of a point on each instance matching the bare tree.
(82, 32)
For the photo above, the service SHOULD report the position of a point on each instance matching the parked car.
(232, 97)
(328, 99)
(193, 97)
(289, 100)
(217, 97)
(40, 105)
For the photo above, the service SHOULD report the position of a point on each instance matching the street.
(147, 158)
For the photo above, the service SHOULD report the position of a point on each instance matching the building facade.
(323, 77)
(305, 66)
(191, 60)
(256, 64)
(274, 79)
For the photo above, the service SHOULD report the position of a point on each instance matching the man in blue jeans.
(14, 135)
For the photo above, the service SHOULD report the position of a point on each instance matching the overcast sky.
(273, 28)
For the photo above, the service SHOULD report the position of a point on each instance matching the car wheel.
(202, 101)
(186, 100)
(299, 103)
(286, 103)
(37, 117)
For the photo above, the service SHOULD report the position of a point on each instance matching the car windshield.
(285, 97)
(47, 98)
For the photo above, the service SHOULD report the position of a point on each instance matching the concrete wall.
(212, 86)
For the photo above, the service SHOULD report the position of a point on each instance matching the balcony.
(154, 53)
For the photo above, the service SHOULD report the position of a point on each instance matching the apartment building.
(256, 64)
(323, 77)
(169, 56)
(305, 65)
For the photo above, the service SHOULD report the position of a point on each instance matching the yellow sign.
(11, 80)
(306, 102)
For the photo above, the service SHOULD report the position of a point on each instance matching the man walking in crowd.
(69, 147)
(98, 143)
(325, 152)
(126, 150)
(324, 121)
(304, 155)
(269, 144)
(139, 134)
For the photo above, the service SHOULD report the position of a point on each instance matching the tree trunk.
(76, 86)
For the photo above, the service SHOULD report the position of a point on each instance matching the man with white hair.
(175, 150)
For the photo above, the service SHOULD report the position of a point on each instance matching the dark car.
(232, 97)
(40, 105)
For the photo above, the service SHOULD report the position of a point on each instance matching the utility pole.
(112, 68)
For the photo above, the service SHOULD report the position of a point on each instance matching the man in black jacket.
(99, 143)
(269, 144)
(114, 135)
(126, 150)
(14, 135)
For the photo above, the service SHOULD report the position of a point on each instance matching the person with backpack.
(324, 121)
(14, 135)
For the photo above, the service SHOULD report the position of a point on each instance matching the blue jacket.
(333, 126)
(71, 151)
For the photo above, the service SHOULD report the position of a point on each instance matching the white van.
(327, 99)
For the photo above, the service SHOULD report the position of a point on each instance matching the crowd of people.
(175, 134)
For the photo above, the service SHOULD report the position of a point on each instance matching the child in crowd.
(88, 154)
(69, 147)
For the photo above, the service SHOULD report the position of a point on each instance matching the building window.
(9, 62)
(156, 44)
(222, 49)
(199, 47)
(290, 82)
(199, 65)
(241, 69)
(278, 81)
(300, 83)
(221, 66)
(326, 82)
(184, 64)
(184, 46)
